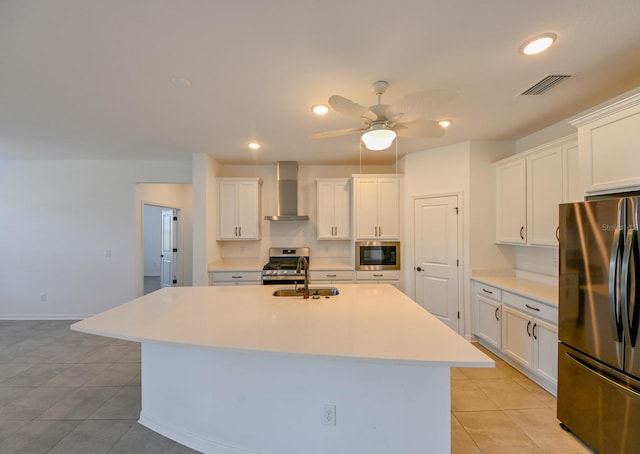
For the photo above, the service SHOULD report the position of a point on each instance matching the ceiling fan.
(382, 122)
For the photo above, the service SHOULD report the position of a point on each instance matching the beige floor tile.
(495, 433)
(531, 387)
(508, 394)
(461, 442)
(544, 429)
(457, 373)
(467, 396)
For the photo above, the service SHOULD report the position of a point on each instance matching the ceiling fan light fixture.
(379, 138)
(320, 109)
(538, 44)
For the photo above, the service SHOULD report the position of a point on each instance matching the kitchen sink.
(313, 291)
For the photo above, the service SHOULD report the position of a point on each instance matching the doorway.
(160, 250)
(437, 270)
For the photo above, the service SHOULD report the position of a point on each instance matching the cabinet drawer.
(378, 275)
(328, 275)
(488, 291)
(236, 276)
(532, 307)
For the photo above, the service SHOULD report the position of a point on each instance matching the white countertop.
(525, 287)
(365, 322)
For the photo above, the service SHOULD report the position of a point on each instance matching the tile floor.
(64, 392)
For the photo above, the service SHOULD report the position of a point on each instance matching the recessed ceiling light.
(320, 109)
(538, 44)
(445, 123)
(254, 145)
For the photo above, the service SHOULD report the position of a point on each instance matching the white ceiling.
(93, 79)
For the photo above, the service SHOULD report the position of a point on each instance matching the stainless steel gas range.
(283, 262)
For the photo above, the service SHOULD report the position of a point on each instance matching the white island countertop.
(364, 323)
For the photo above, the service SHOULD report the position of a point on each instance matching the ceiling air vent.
(545, 84)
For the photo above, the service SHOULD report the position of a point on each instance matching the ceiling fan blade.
(336, 133)
(347, 107)
(419, 128)
(420, 104)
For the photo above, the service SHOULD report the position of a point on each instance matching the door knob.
(418, 269)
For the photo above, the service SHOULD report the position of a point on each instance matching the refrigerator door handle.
(614, 281)
(624, 284)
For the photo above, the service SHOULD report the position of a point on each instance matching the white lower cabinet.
(522, 331)
(379, 277)
(235, 277)
(487, 323)
(331, 276)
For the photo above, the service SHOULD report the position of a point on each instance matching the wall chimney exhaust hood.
(287, 193)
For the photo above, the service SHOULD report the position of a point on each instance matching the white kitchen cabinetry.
(511, 202)
(379, 277)
(608, 141)
(239, 208)
(377, 207)
(334, 208)
(529, 188)
(332, 276)
(236, 277)
(530, 336)
(488, 310)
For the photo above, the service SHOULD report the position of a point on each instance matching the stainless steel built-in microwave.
(377, 255)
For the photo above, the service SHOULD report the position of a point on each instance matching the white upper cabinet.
(609, 139)
(239, 208)
(511, 202)
(334, 208)
(529, 188)
(377, 207)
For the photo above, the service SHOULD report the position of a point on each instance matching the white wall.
(69, 234)
(464, 169)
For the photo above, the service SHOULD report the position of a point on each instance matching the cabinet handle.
(558, 233)
(529, 328)
(379, 231)
(236, 234)
(532, 308)
(240, 231)
(534, 331)
(487, 291)
(378, 275)
(497, 309)
(236, 277)
(522, 232)
(331, 275)
(336, 227)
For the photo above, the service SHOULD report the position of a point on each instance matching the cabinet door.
(544, 194)
(388, 209)
(342, 210)
(511, 202)
(516, 336)
(489, 327)
(366, 208)
(325, 211)
(248, 223)
(572, 186)
(228, 210)
(546, 349)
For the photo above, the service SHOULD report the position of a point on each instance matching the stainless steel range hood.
(287, 193)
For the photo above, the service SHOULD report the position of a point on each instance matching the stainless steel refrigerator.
(599, 309)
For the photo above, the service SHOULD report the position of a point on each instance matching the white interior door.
(168, 275)
(436, 256)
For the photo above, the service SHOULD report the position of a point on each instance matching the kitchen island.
(231, 370)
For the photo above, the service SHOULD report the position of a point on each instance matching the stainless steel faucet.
(302, 261)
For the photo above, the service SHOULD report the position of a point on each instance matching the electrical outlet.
(329, 415)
